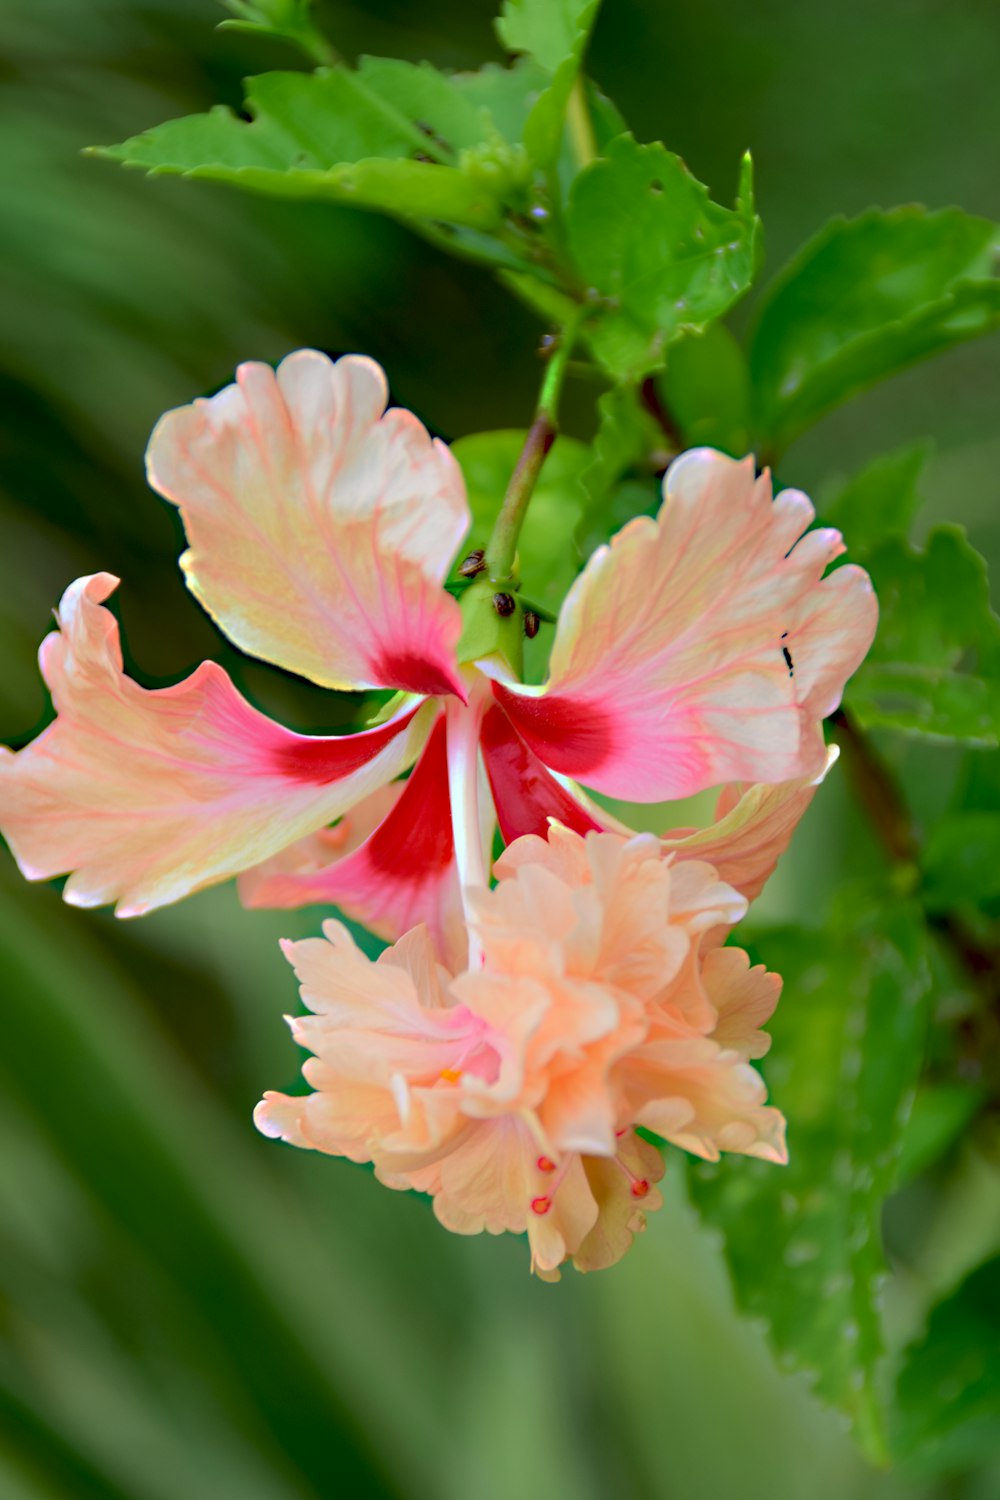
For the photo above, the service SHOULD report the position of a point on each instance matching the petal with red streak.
(320, 526)
(403, 873)
(525, 793)
(702, 647)
(143, 796)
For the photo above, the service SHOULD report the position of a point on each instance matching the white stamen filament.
(463, 787)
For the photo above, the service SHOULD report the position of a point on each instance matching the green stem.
(578, 124)
(501, 550)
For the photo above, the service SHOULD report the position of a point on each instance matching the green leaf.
(803, 1242)
(647, 238)
(285, 20)
(331, 135)
(865, 298)
(549, 557)
(706, 389)
(554, 33)
(506, 94)
(548, 30)
(961, 860)
(935, 666)
(625, 438)
(941, 1113)
(948, 1391)
(881, 501)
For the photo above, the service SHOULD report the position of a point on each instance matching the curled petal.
(143, 796)
(401, 875)
(704, 1098)
(752, 829)
(701, 647)
(743, 998)
(320, 525)
(622, 1206)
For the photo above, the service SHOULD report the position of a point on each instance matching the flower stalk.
(501, 550)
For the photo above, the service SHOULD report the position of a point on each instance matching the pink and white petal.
(143, 796)
(403, 874)
(753, 827)
(316, 851)
(320, 526)
(744, 998)
(701, 647)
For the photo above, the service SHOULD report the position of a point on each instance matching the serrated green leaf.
(881, 501)
(507, 95)
(803, 1242)
(935, 666)
(554, 33)
(626, 436)
(548, 30)
(330, 135)
(447, 115)
(706, 389)
(865, 298)
(647, 238)
(948, 1390)
(549, 557)
(285, 20)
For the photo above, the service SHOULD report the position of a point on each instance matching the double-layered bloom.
(511, 1092)
(700, 648)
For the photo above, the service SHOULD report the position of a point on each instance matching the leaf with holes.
(648, 239)
(803, 1241)
(863, 299)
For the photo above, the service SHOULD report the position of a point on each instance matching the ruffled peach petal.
(558, 1226)
(701, 647)
(403, 874)
(146, 795)
(744, 999)
(705, 1099)
(621, 1209)
(320, 526)
(488, 1182)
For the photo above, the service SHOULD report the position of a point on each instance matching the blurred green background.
(188, 1310)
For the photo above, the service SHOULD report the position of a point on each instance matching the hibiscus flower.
(700, 648)
(513, 1092)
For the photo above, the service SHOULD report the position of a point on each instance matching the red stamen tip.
(640, 1187)
(541, 1205)
(620, 1133)
(544, 1165)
